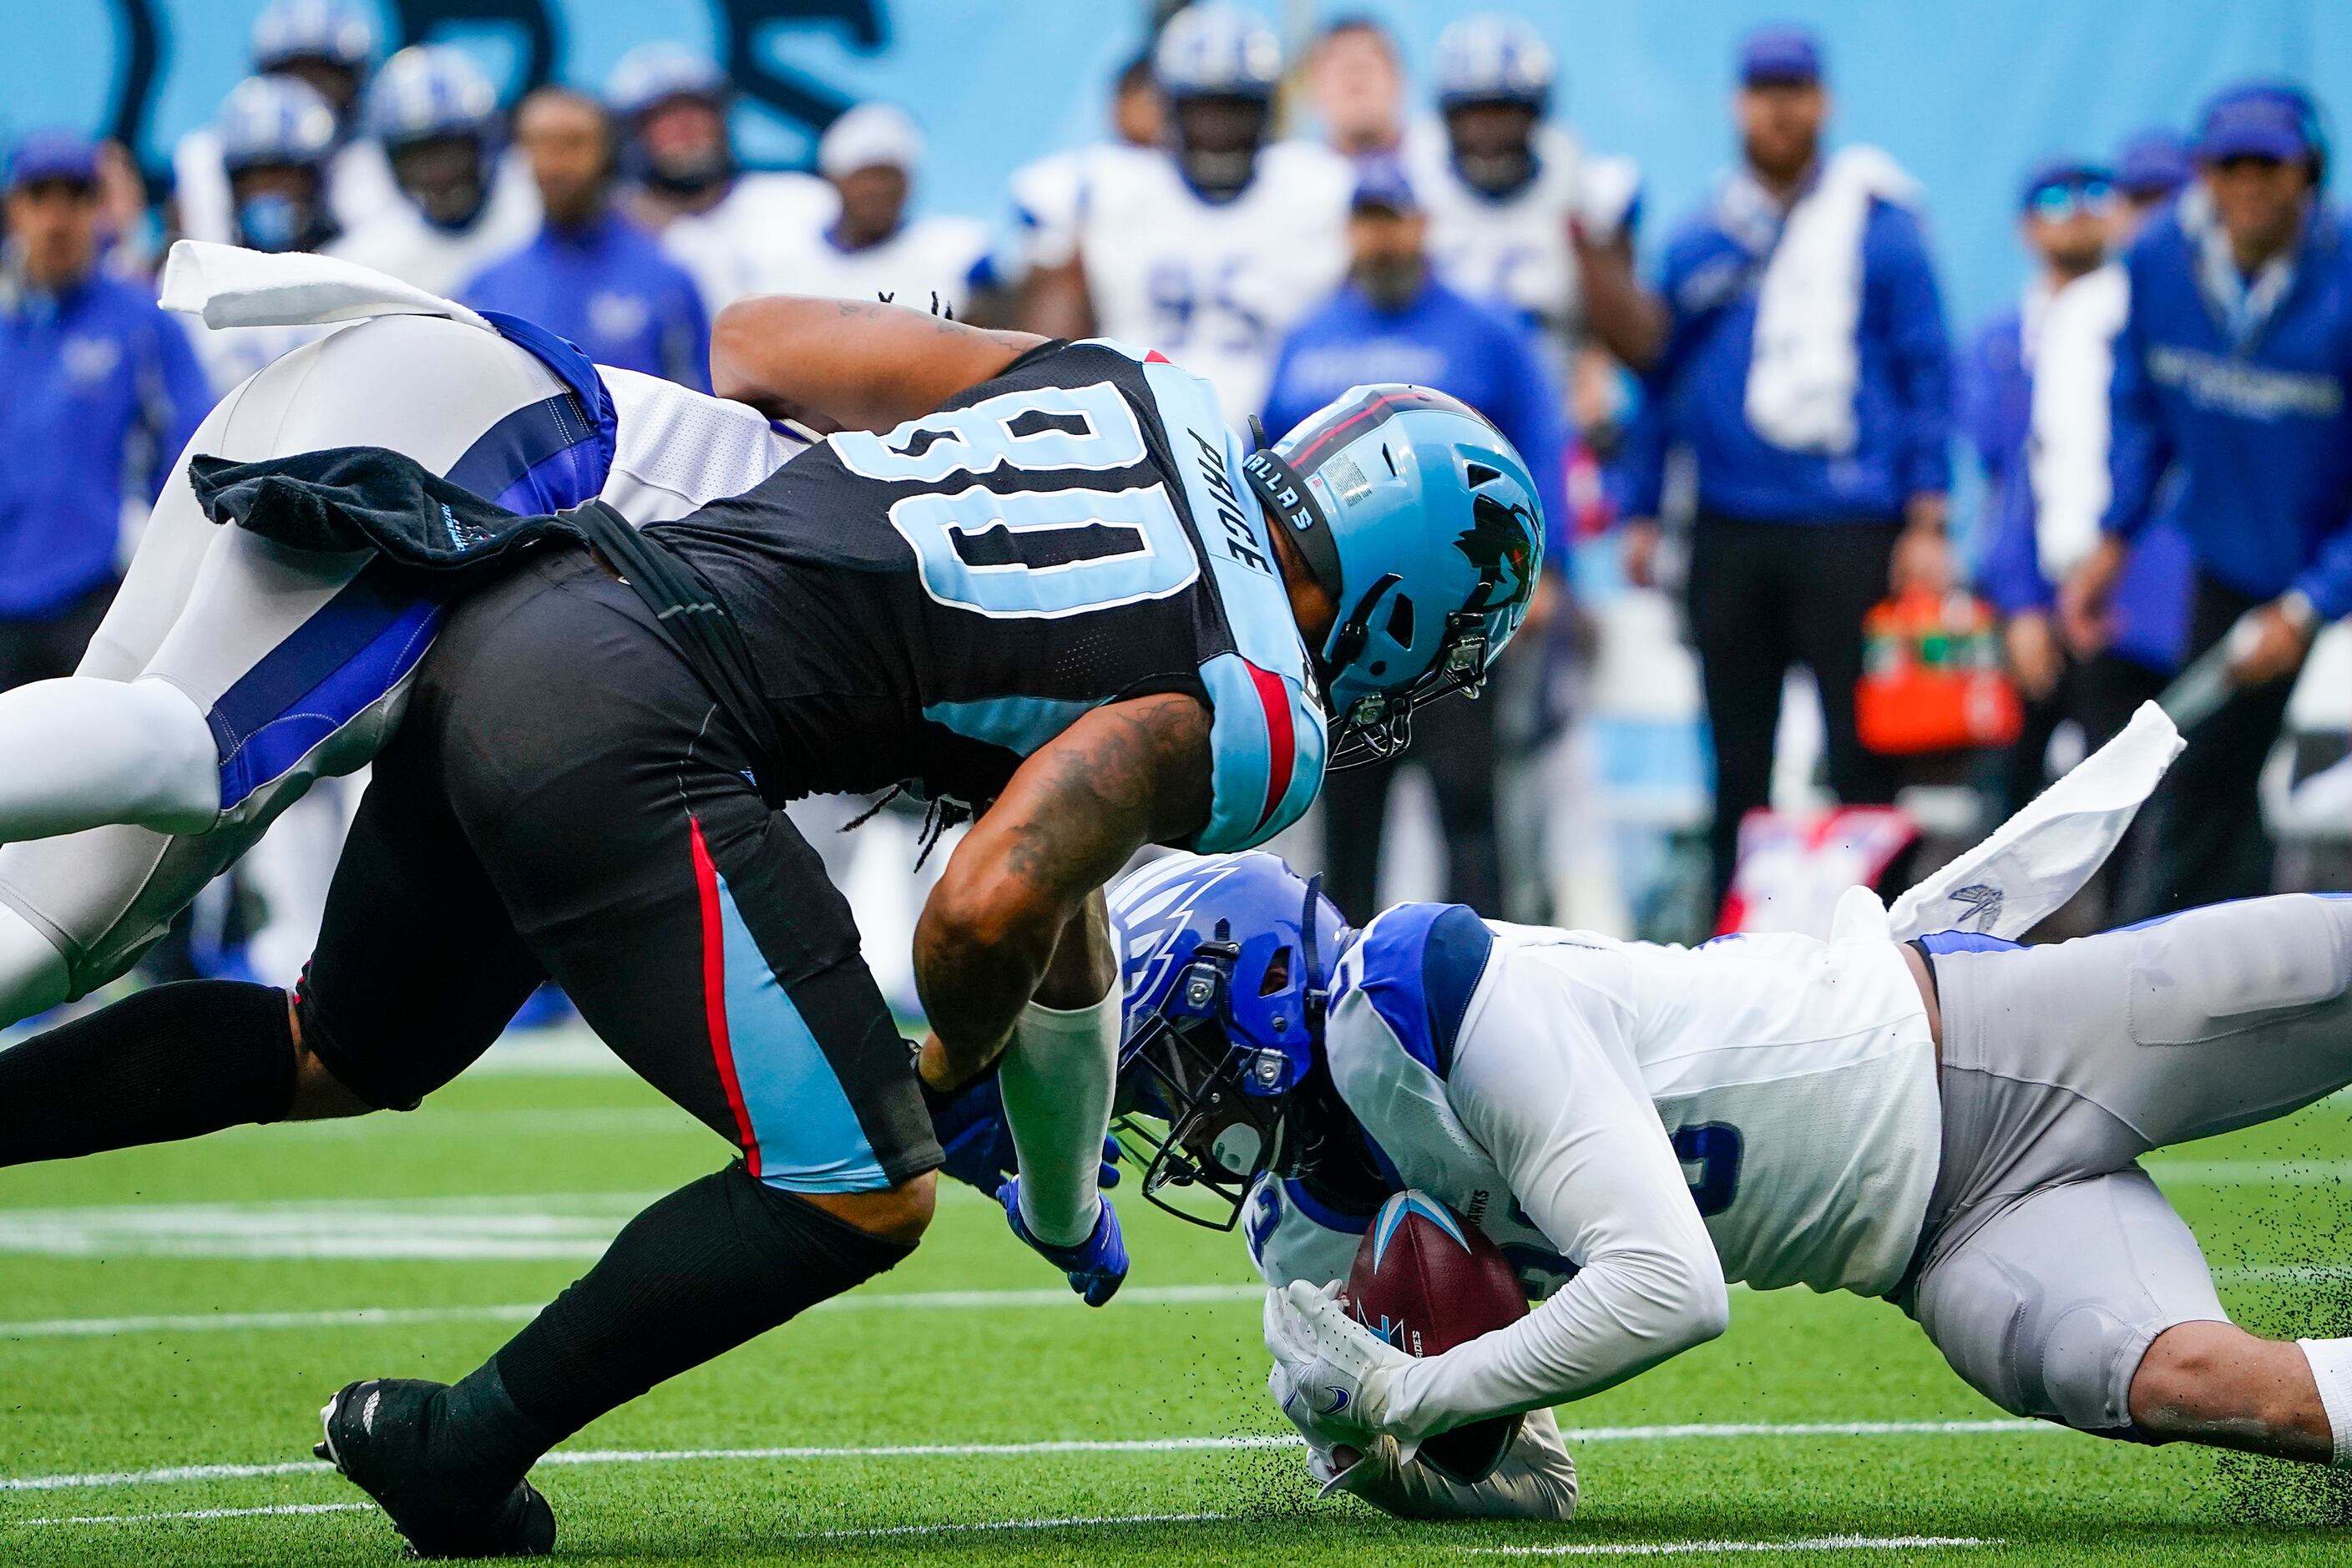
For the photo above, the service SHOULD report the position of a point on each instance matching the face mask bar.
(1380, 724)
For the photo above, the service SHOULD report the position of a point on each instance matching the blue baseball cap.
(2066, 179)
(1380, 182)
(1779, 55)
(46, 155)
(2153, 163)
(2260, 121)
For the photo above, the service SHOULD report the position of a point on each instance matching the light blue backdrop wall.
(1964, 93)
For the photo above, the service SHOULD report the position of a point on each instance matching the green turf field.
(186, 1310)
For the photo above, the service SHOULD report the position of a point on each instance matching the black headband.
(1284, 490)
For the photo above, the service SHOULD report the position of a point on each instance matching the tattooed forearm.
(1133, 773)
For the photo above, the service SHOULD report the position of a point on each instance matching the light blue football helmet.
(1491, 58)
(429, 90)
(336, 31)
(1217, 50)
(1226, 961)
(655, 73)
(1421, 522)
(275, 121)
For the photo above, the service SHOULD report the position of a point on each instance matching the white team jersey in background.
(676, 450)
(398, 242)
(728, 249)
(1518, 249)
(1214, 286)
(1795, 1077)
(929, 256)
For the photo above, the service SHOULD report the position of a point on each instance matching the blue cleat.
(1094, 1267)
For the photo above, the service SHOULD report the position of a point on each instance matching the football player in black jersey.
(1037, 578)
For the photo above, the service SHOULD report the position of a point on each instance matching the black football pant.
(2208, 843)
(1764, 596)
(1454, 740)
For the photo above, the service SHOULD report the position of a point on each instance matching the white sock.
(33, 977)
(2331, 1368)
(80, 752)
(1058, 1078)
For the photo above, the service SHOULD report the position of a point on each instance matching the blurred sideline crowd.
(1771, 658)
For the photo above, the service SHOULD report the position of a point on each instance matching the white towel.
(231, 286)
(2042, 856)
(1805, 365)
(2067, 457)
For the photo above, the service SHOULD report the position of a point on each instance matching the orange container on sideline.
(1932, 677)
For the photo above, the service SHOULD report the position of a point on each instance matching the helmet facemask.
(1225, 1102)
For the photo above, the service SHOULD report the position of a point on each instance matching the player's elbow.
(1686, 1301)
(1702, 1309)
(971, 917)
(742, 346)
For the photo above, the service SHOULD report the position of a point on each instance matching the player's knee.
(324, 1086)
(900, 1214)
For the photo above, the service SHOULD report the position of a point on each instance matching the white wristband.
(2331, 1368)
(1058, 1078)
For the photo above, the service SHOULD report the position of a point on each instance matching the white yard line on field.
(270, 1511)
(178, 1473)
(522, 1311)
(1695, 1548)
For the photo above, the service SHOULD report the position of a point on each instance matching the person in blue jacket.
(1800, 526)
(2230, 411)
(1392, 320)
(591, 275)
(2074, 211)
(97, 384)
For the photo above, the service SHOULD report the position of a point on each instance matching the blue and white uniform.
(298, 661)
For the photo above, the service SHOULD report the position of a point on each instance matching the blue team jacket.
(98, 391)
(1696, 394)
(2249, 428)
(1445, 340)
(2150, 602)
(609, 288)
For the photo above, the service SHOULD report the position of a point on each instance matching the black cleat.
(387, 1434)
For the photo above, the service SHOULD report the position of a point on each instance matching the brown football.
(1425, 1280)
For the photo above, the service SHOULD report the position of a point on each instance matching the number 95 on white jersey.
(1215, 285)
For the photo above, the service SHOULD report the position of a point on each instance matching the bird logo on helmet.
(1225, 960)
(1421, 522)
(1218, 66)
(336, 31)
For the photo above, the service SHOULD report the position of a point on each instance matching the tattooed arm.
(1019, 914)
(849, 364)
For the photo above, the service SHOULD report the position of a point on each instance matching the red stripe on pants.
(714, 994)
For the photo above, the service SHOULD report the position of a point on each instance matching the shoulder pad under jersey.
(1417, 966)
(1267, 727)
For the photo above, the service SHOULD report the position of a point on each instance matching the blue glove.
(1094, 1267)
(970, 1126)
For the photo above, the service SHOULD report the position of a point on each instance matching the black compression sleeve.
(173, 1062)
(718, 1262)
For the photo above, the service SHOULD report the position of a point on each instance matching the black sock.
(172, 1062)
(719, 1261)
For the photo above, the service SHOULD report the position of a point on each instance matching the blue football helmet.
(1225, 960)
(276, 121)
(336, 31)
(1421, 522)
(431, 91)
(655, 73)
(1491, 58)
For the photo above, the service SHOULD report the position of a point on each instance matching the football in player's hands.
(1426, 1280)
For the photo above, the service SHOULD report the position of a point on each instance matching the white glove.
(1333, 1376)
(1537, 1480)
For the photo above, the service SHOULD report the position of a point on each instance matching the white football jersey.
(942, 256)
(675, 449)
(761, 218)
(1517, 249)
(397, 240)
(1795, 1080)
(1214, 286)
